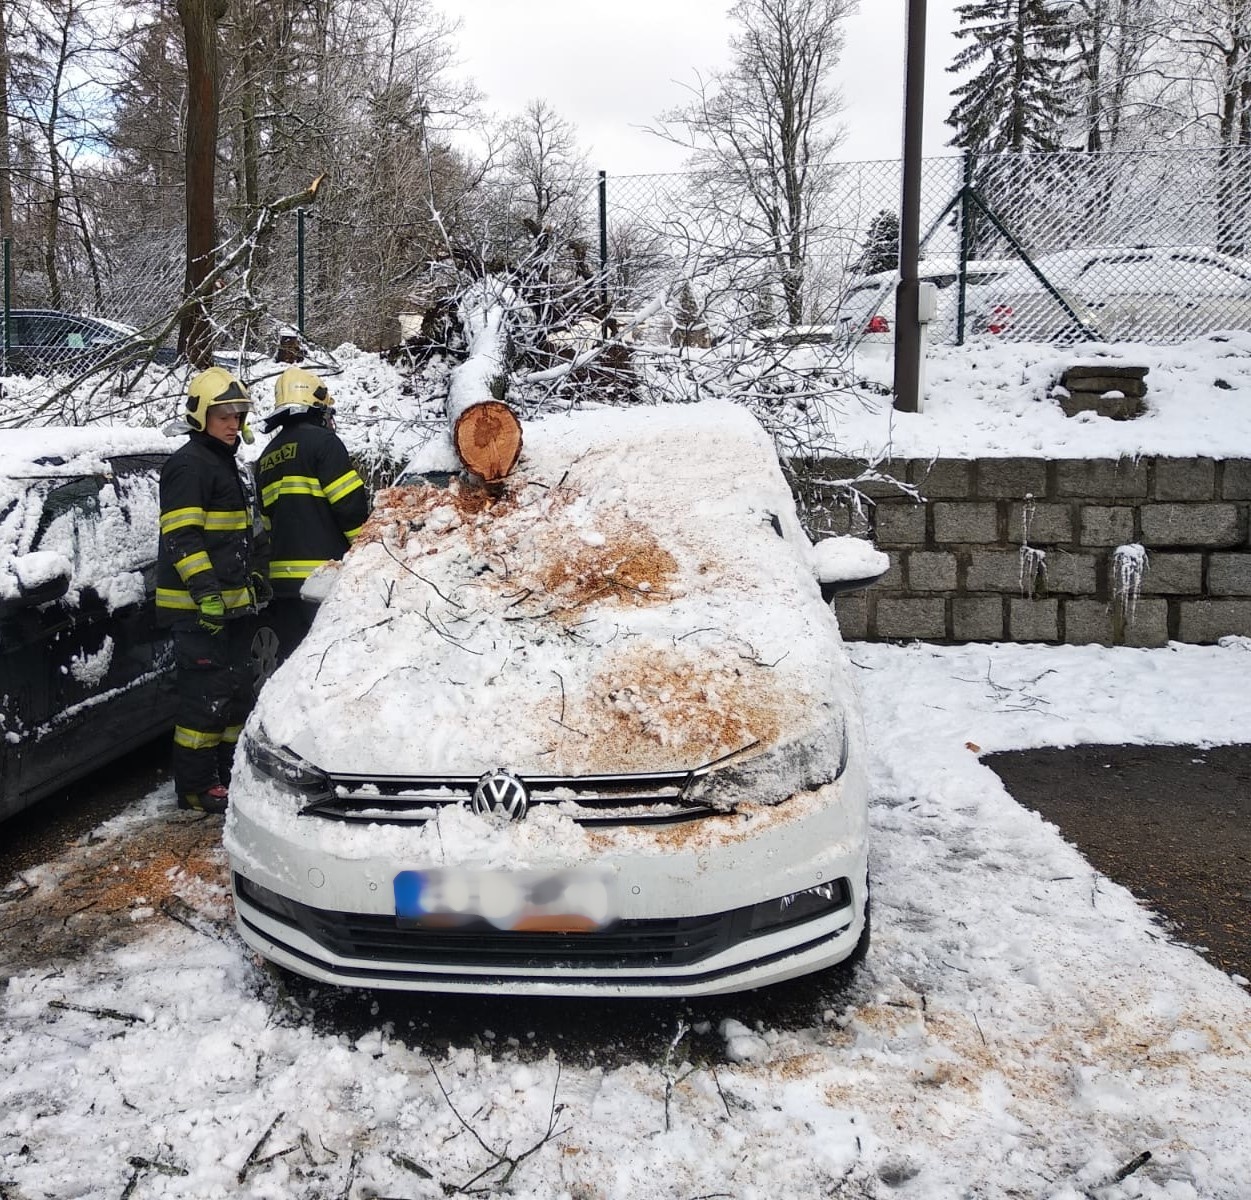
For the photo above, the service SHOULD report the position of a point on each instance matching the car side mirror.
(847, 564)
(40, 578)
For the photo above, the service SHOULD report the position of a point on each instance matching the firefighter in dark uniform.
(313, 499)
(211, 578)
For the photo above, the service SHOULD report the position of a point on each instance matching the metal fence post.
(603, 243)
(966, 243)
(299, 270)
(8, 293)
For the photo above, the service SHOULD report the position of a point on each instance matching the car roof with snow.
(638, 591)
(1064, 267)
(33, 453)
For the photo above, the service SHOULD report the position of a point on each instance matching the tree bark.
(485, 431)
(199, 21)
(6, 180)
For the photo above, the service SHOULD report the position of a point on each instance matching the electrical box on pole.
(927, 311)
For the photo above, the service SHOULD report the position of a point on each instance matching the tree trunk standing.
(1092, 57)
(1232, 190)
(6, 179)
(251, 189)
(52, 228)
(199, 21)
(84, 230)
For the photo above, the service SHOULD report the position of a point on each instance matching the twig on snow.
(177, 909)
(672, 1080)
(408, 1164)
(351, 1176)
(110, 1013)
(501, 1158)
(140, 1165)
(252, 1158)
(716, 1079)
(1130, 1167)
(422, 578)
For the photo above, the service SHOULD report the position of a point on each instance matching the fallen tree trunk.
(485, 431)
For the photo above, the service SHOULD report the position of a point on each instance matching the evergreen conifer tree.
(1017, 100)
(881, 245)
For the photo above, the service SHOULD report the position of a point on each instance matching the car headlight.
(802, 765)
(808, 905)
(286, 768)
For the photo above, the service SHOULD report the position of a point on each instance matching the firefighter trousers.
(214, 697)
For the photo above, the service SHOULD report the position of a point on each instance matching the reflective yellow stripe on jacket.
(345, 485)
(294, 568)
(181, 601)
(195, 739)
(293, 485)
(180, 518)
(226, 522)
(193, 564)
(215, 520)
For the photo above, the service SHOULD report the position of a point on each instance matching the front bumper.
(686, 904)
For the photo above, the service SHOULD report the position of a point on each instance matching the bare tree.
(1113, 44)
(6, 180)
(548, 166)
(1206, 87)
(763, 132)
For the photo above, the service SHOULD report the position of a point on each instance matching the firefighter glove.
(212, 614)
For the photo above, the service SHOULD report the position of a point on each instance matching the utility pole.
(908, 341)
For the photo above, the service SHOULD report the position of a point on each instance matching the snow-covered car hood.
(637, 596)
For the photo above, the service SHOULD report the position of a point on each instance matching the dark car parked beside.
(42, 341)
(86, 675)
(84, 670)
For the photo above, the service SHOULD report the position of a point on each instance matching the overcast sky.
(610, 70)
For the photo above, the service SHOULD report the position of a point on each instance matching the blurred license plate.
(561, 902)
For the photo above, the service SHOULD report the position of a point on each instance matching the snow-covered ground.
(988, 398)
(995, 399)
(1022, 1027)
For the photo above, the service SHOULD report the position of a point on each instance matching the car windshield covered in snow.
(604, 702)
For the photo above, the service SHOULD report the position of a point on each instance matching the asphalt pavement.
(1171, 823)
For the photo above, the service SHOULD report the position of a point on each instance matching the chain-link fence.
(1149, 246)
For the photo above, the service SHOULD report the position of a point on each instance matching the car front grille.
(624, 945)
(593, 800)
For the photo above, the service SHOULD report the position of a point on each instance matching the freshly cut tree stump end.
(487, 438)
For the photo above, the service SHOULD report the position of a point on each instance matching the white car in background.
(1117, 293)
(591, 733)
(866, 315)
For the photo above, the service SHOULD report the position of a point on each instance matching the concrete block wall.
(1027, 550)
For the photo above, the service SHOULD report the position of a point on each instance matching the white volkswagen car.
(591, 732)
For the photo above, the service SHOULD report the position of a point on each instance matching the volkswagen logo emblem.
(502, 795)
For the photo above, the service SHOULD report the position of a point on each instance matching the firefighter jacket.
(212, 539)
(313, 500)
